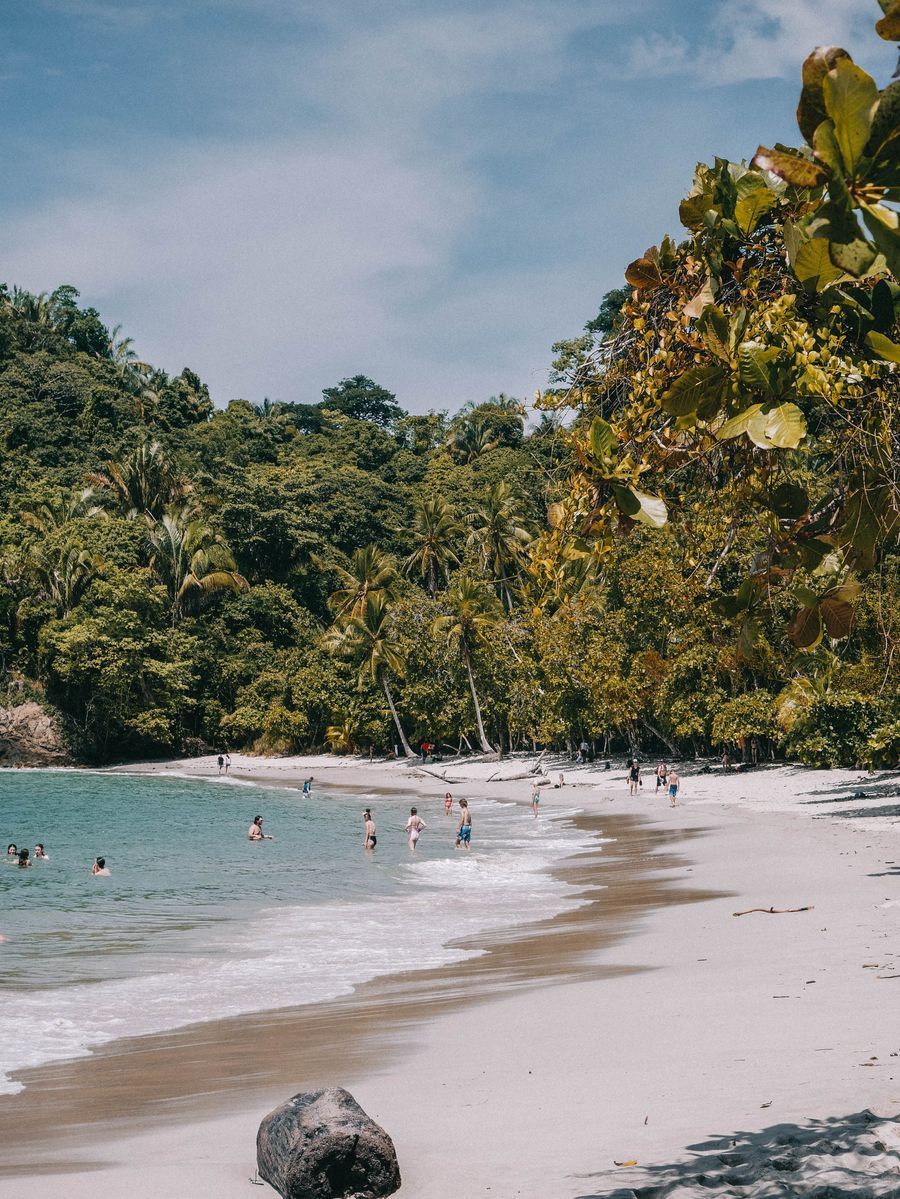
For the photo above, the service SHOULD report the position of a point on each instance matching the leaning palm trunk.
(407, 748)
(482, 736)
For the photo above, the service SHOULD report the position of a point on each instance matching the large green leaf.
(882, 224)
(850, 98)
(811, 109)
(748, 211)
(889, 25)
(813, 265)
(883, 149)
(797, 171)
(755, 365)
(603, 439)
(652, 510)
(691, 388)
(781, 428)
(714, 330)
(738, 424)
(884, 347)
(692, 210)
(855, 257)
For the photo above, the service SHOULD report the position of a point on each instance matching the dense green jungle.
(686, 545)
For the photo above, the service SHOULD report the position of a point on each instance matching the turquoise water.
(196, 922)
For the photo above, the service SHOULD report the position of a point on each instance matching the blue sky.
(280, 193)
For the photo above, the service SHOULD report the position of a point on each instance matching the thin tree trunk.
(482, 736)
(407, 748)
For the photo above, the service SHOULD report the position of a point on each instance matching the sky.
(283, 193)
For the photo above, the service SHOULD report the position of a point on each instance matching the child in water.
(414, 827)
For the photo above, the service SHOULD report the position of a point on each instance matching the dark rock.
(322, 1145)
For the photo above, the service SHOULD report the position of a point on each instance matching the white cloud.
(754, 39)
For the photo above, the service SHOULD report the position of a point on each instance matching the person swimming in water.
(99, 867)
(414, 827)
(24, 859)
(255, 831)
(370, 839)
(464, 832)
(39, 855)
(12, 851)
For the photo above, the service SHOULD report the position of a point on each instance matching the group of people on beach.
(667, 778)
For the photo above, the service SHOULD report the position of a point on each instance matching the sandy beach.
(644, 1039)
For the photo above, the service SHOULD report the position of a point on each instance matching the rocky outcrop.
(29, 736)
(322, 1145)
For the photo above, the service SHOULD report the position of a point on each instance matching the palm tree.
(469, 438)
(500, 534)
(55, 513)
(368, 636)
(436, 531)
(473, 616)
(190, 559)
(143, 483)
(371, 572)
(64, 573)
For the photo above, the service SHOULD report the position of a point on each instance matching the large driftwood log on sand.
(322, 1145)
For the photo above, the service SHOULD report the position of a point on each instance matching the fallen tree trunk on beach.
(322, 1145)
(773, 911)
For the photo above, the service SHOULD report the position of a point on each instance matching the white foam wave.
(306, 954)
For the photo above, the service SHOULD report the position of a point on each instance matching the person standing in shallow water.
(414, 827)
(448, 804)
(535, 797)
(255, 831)
(370, 838)
(307, 787)
(464, 832)
(99, 868)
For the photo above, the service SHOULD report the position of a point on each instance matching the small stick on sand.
(773, 911)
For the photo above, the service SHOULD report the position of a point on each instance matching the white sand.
(738, 1026)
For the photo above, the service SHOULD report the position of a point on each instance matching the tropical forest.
(685, 545)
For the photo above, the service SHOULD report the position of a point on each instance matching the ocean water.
(197, 923)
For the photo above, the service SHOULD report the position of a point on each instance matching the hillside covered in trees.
(694, 547)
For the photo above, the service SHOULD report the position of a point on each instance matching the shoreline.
(679, 1028)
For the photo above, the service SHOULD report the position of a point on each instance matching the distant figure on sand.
(448, 804)
(464, 832)
(535, 797)
(307, 787)
(414, 827)
(661, 771)
(674, 784)
(227, 761)
(99, 867)
(24, 859)
(39, 855)
(634, 777)
(370, 840)
(255, 831)
(221, 761)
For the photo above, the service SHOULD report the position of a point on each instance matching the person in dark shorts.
(371, 840)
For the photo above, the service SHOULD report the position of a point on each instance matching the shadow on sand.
(846, 1157)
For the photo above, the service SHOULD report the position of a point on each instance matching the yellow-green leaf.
(691, 388)
(811, 109)
(737, 425)
(781, 428)
(748, 211)
(850, 98)
(603, 439)
(797, 171)
(813, 264)
(883, 346)
(652, 511)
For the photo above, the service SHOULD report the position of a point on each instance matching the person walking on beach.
(370, 839)
(221, 762)
(227, 761)
(535, 797)
(414, 827)
(464, 832)
(674, 785)
(448, 804)
(307, 787)
(255, 831)
(634, 777)
(99, 868)
(661, 772)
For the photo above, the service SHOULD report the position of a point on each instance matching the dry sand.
(652, 1026)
